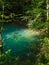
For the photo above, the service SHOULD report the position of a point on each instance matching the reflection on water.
(17, 39)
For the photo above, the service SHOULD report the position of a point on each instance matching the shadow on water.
(18, 39)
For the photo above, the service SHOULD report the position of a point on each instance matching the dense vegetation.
(33, 14)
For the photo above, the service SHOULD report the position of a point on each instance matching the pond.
(17, 39)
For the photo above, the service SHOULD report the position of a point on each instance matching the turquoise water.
(17, 39)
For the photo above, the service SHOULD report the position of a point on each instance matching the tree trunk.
(1, 28)
(47, 1)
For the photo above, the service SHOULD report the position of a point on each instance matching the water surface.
(18, 39)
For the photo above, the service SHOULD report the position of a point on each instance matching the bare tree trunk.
(47, 1)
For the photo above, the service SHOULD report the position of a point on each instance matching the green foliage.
(30, 13)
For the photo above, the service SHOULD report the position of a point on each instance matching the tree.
(47, 10)
(34, 14)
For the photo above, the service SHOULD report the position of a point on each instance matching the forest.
(24, 26)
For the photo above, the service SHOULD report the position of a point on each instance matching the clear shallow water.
(17, 39)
